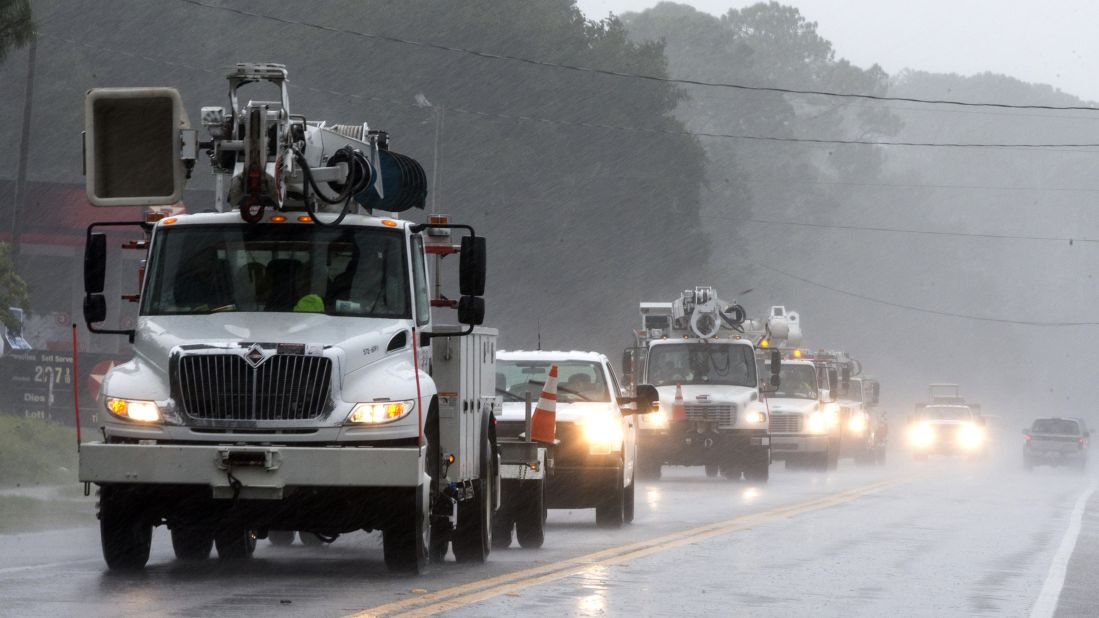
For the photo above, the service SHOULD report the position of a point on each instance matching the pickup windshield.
(576, 380)
(1056, 426)
(350, 271)
(702, 363)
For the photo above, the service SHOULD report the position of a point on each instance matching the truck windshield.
(576, 380)
(796, 382)
(702, 363)
(350, 271)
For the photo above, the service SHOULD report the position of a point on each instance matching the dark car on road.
(1056, 442)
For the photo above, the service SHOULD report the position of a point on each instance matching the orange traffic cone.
(679, 410)
(543, 421)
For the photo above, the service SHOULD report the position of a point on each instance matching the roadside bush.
(34, 452)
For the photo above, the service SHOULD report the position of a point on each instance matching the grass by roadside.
(34, 452)
(23, 514)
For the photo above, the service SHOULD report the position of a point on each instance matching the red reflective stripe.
(551, 396)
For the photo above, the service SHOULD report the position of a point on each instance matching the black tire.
(832, 458)
(234, 543)
(472, 540)
(405, 538)
(192, 544)
(439, 542)
(712, 470)
(609, 513)
(731, 472)
(281, 538)
(760, 470)
(530, 527)
(124, 530)
(509, 511)
(629, 502)
(649, 469)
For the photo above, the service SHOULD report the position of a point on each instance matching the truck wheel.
(530, 527)
(405, 538)
(281, 538)
(124, 532)
(511, 509)
(712, 470)
(311, 539)
(234, 543)
(192, 544)
(832, 458)
(629, 501)
(759, 471)
(611, 511)
(472, 540)
(731, 472)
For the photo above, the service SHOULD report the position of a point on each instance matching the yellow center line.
(473, 592)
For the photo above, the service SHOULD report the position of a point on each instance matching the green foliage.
(34, 452)
(13, 290)
(16, 25)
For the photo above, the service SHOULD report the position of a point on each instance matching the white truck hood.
(784, 405)
(710, 394)
(360, 340)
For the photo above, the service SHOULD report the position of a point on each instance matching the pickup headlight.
(603, 433)
(134, 410)
(921, 436)
(971, 437)
(379, 412)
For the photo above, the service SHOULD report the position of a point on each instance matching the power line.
(624, 74)
(777, 181)
(894, 230)
(951, 314)
(1044, 147)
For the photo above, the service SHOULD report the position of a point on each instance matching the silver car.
(1056, 442)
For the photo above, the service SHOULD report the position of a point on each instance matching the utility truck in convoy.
(698, 351)
(287, 371)
(856, 423)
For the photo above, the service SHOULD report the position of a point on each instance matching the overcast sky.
(1050, 41)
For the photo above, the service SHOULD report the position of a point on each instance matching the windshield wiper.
(509, 396)
(573, 393)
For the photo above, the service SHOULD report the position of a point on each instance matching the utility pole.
(24, 154)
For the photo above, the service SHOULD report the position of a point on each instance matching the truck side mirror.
(95, 263)
(95, 308)
(471, 310)
(472, 266)
(647, 398)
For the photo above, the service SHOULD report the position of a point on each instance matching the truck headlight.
(970, 437)
(857, 424)
(816, 422)
(921, 436)
(755, 417)
(379, 412)
(603, 433)
(831, 414)
(134, 410)
(656, 420)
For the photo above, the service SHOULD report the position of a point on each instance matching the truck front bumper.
(784, 445)
(681, 446)
(252, 472)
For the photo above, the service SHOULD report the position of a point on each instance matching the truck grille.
(786, 423)
(226, 387)
(723, 415)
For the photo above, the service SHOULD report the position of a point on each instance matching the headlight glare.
(656, 420)
(756, 417)
(134, 410)
(379, 412)
(603, 433)
(970, 437)
(857, 424)
(816, 422)
(921, 436)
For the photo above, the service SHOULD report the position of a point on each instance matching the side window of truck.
(419, 280)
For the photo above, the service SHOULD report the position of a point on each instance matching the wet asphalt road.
(941, 538)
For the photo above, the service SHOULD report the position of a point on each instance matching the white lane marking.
(46, 565)
(1046, 605)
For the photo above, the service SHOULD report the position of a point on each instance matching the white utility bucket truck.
(695, 351)
(287, 374)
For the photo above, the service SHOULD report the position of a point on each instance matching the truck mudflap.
(256, 472)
